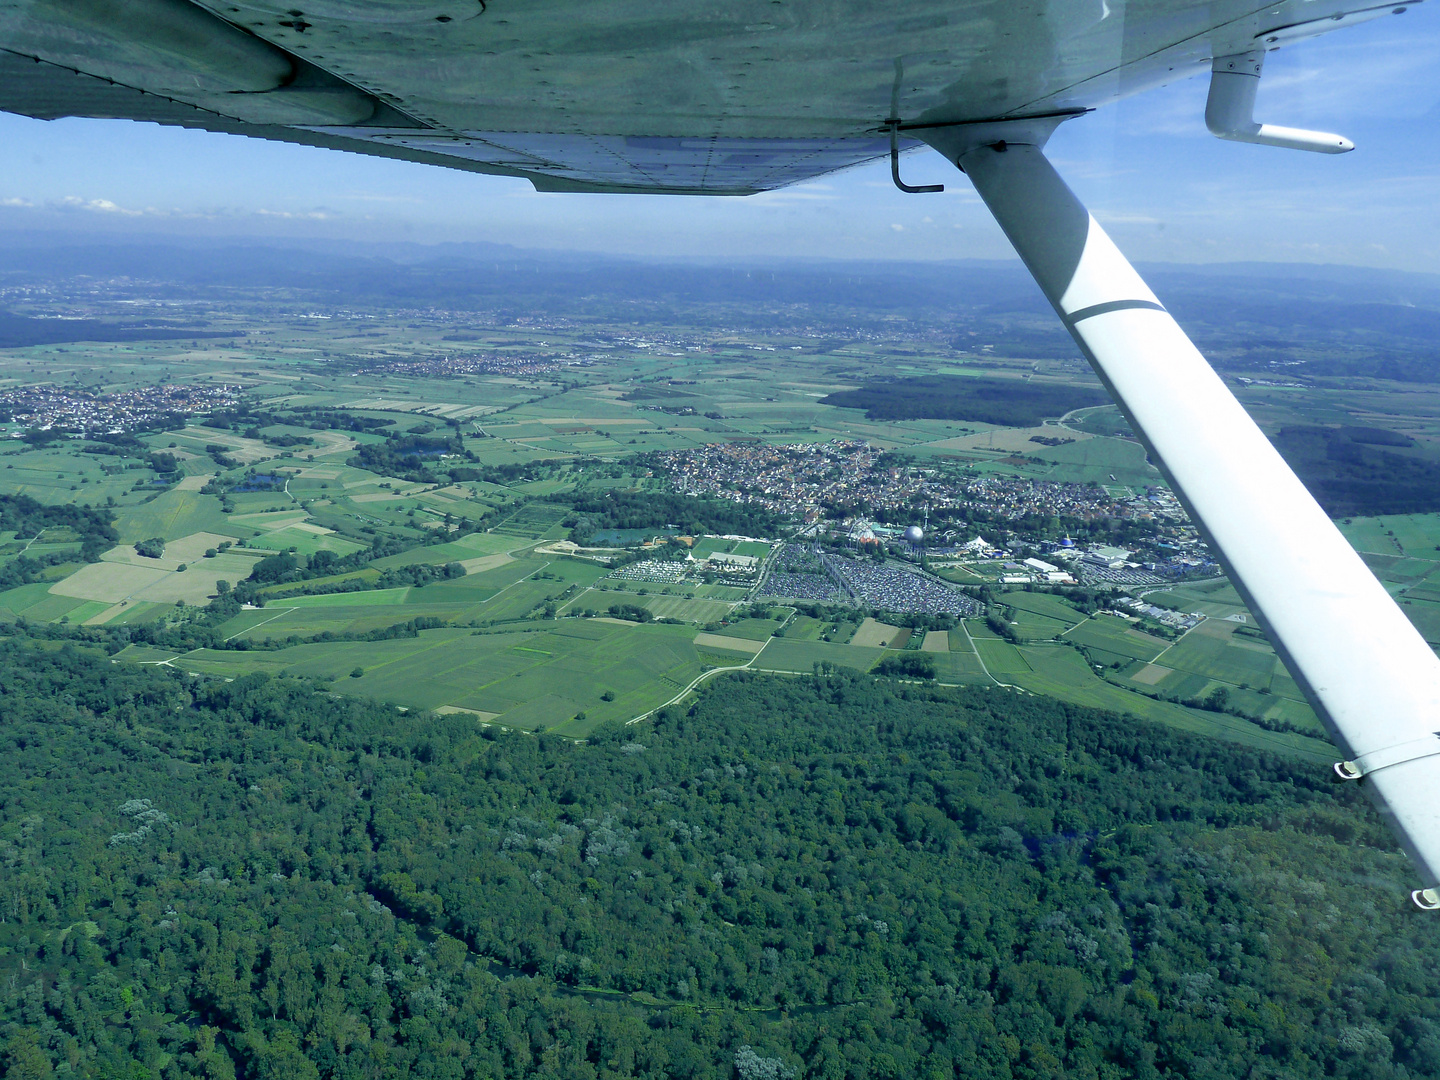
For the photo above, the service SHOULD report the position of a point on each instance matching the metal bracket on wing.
(1367, 764)
(955, 140)
(910, 189)
(1230, 109)
(1399, 754)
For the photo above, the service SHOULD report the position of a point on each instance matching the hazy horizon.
(78, 239)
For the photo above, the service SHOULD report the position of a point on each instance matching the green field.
(305, 542)
(1216, 599)
(366, 598)
(753, 629)
(1116, 636)
(524, 678)
(1096, 460)
(959, 667)
(1061, 672)
(1045, 604)
(20, 600)
(1040, 615)
(1415, 535)
(783, 654)
(470, 546)
(1031, 626)
(804, 628)
(174, 514)
(1001, 658)
(1211, 650)
(678, 607)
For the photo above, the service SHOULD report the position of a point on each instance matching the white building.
(743, 562)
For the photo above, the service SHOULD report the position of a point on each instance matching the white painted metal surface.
(1367, 671)
(1230, 109)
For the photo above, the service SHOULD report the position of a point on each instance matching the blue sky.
(1166, 189)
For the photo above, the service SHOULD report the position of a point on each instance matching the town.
(849, 495)
(815, 478)
(45, 407)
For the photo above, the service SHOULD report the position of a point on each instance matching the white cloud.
(796, 193)
(360, 196)
(95, 206)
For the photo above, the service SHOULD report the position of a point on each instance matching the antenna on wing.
(1230, 109)
(910, 189)
(894, 125)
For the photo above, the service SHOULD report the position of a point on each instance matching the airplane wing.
(700, 98)
(616, 96)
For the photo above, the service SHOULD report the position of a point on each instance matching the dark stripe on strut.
(1114, 305)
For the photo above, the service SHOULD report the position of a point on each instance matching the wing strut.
(1365, 669)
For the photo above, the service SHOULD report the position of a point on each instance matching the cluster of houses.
(73, 409)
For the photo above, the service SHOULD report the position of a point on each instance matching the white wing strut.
(1368, 673)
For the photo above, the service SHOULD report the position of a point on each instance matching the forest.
(17, 331)
(956, 397)
(830, 877)
(1349, 474)
(65, 525)
(409, 456)
(608, 509)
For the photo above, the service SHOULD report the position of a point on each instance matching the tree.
(907, 665)
(274, 568)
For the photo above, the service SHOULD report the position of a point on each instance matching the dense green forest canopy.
(1010, 402)
(839, 877)
(18, 331)
(602, 510)
(1349, 474)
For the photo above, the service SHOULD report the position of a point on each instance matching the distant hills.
(1315, 320)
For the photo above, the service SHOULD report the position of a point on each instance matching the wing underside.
(620, 96)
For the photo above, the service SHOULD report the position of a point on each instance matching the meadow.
(553, 677)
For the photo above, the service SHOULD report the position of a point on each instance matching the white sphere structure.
(914, 534)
